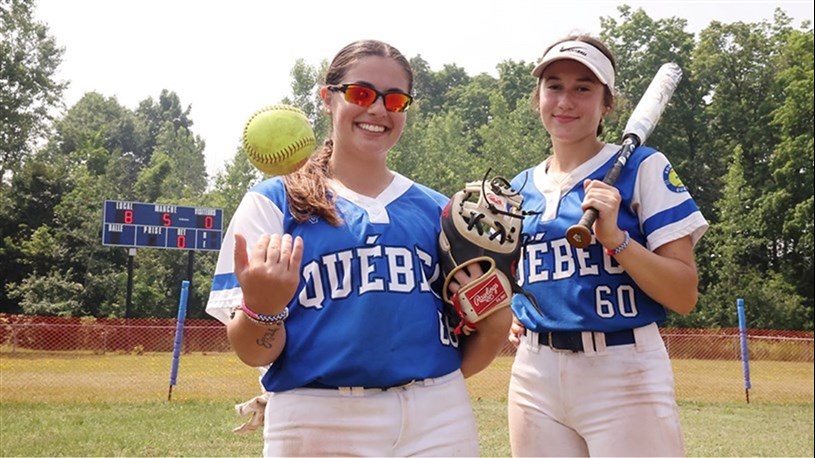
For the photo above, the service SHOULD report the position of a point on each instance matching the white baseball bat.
(639, 126)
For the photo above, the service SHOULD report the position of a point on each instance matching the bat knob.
(578, 236)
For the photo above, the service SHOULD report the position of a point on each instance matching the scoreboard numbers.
(139, 224)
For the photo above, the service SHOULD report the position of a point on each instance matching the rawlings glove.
(481, 224)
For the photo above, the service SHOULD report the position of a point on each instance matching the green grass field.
(116, 405)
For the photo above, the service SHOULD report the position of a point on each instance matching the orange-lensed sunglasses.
(364, 95)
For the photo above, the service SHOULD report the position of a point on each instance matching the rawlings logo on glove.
(486, 296)
(481, 224)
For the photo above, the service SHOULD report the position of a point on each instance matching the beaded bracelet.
(621, 247)
(265, 320)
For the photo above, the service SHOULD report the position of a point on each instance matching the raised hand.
(270, 274)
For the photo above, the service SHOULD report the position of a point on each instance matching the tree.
(437, 157)
(306, 81)
(231, 184)
(471, 103)
(38, 188)
(426, 96)
(185, 152)
(432, 88)
(158, 116)
(29, 58)
(513, 139)
(95, 121)
(67, 272)
(760, 75)
(515, 82)
(168, 133)
(788, 203)
(641, 46)
(735, 64)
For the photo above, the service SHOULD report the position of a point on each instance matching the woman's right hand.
(516, 330)
(270, 274)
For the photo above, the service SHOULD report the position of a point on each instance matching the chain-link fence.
(44, 358)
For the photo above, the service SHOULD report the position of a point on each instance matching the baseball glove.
(481, 224)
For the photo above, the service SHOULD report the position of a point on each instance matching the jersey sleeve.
(256, 215)
(667, 210)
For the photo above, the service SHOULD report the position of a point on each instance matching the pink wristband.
(266, 320)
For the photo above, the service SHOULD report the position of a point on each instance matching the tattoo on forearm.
(268, 338)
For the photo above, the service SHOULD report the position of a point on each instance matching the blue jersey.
(584, 289)
(367, 311)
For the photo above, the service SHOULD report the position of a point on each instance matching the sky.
(227, 59)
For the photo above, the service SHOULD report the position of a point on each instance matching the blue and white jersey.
(585, 289)
(367, 311)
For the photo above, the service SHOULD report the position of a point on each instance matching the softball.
(278, 139)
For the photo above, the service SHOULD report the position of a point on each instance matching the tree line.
(739, 131)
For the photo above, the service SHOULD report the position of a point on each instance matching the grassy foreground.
(57, 377)
(203, 428)
(64, 404)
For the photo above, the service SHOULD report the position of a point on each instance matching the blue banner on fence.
(745, 356)
(179, 329)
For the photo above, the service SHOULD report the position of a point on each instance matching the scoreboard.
(138, 224)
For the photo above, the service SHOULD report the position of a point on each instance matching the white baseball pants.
(431, 417)
(605, 401)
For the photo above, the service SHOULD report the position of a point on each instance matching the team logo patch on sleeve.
(672, 180)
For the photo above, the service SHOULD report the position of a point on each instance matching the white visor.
(584, 53)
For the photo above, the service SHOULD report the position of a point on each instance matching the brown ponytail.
(308, 190)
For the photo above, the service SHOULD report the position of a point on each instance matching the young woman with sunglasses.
(591, 375)
(335, 278)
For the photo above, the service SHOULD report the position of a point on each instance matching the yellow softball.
(278, 139)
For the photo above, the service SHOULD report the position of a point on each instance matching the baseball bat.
(639, 126)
